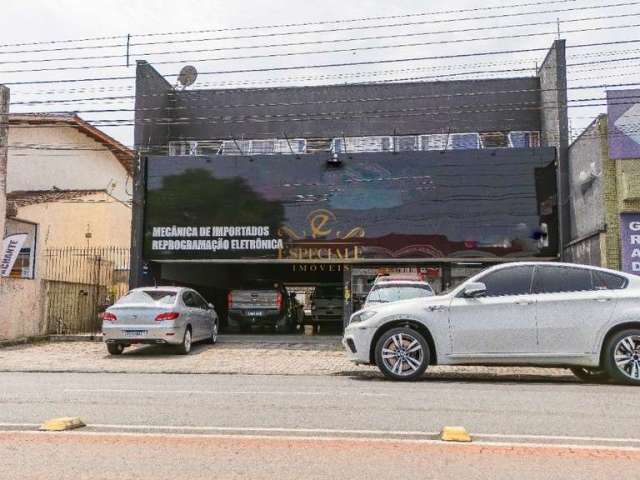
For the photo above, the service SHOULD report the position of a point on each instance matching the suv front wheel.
(402, 354)
(622, 356)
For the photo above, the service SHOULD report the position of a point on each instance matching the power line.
(332, 65)
(325, 41)
(323, 22)
(357, 99)
(320, 52)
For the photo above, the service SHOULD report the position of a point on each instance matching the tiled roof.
(122, 153)
(23, 198)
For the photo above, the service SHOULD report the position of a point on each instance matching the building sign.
(485, 203)
(630, 240)
(11, 247)
(623, 111)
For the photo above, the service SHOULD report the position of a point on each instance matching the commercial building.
(604, 172)
(306, 186)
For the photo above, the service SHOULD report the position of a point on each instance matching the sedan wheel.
(115, 348)
(622, 357)
(185, 347)
(214, 333)
(402, 354)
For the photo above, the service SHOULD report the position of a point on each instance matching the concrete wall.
(30, 169)
(360, 109)
(64, 224)
(555, 125)
(586, 198)
(22, 307)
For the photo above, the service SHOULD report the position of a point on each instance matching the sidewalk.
(254, 355)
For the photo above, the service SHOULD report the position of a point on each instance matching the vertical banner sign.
(630, 239)
(11, 246)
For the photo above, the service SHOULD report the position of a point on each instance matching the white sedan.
(159, 315)
(521, 313)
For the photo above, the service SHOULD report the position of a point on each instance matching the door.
(207, 314)
(194, 313)
(573, 303)
(501, 323)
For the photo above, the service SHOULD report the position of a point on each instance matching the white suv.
(521, 313)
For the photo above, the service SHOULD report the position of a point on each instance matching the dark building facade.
(336, 184)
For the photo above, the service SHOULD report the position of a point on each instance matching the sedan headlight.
(362, 315)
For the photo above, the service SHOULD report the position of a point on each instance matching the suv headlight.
(362, 315)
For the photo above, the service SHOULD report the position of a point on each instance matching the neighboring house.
(68, 187)
(604, 193)
(71, 179)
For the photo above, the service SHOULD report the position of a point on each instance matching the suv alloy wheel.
(402, 354)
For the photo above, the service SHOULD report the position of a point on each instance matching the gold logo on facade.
(319, 227)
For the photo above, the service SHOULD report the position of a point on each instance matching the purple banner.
(623, 110)
(630, 240)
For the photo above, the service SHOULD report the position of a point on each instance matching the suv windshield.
(328, 291)
(393, 293)
(151, 297)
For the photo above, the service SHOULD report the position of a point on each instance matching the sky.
(465, 42)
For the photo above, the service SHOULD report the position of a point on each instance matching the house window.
(262, 147)
(518, 139)
(24, 266)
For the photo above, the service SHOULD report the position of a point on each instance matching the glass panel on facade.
(237, 147)
(524, 139)
(406, 143)
(494, 140)
(463, 141)
(433, 142)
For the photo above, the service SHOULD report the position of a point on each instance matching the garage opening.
(267, 298)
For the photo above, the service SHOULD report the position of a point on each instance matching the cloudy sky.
(50, 66)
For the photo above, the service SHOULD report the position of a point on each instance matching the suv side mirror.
(474, 289)
(210, 305)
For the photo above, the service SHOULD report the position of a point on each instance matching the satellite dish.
(187, 76)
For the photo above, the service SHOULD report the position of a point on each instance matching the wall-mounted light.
(334, 160)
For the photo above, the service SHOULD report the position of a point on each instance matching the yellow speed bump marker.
(62, 423)
(454, 434)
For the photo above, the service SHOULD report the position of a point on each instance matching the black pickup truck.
(268, 307)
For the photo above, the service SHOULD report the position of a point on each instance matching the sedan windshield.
(150, 297)
(393, 293)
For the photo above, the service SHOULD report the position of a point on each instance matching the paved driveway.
(252, 356)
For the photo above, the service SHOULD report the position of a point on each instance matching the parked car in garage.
(326, 303)
(522, 313)
(392, 289)
(269, 307)
(173, 316)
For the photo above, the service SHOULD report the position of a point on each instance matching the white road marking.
(122, 428)
(77, 433)
(227, 392)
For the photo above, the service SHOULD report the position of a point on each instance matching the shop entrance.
(307, 298)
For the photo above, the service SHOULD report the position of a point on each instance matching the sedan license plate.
(255, 313)
(135, 333)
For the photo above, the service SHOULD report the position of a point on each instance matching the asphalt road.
(314, 427)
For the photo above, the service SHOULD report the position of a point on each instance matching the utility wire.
(322, 22)
(320, 52)
(333, 65)
(338, 40)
